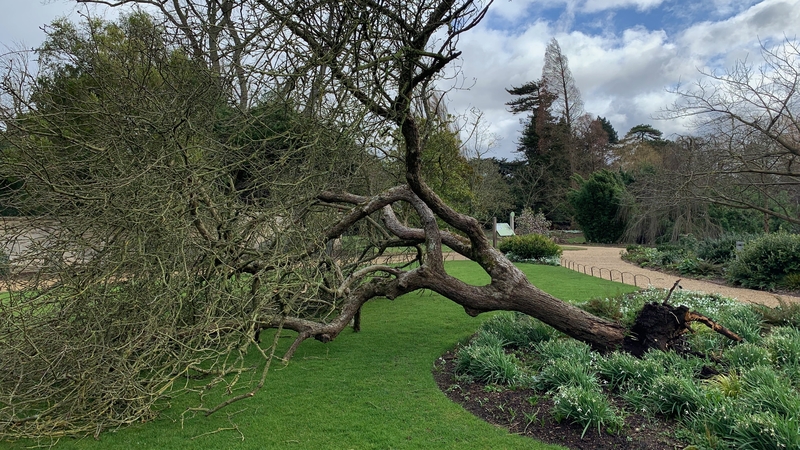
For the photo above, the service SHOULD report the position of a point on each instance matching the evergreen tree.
(609, 129)
(542, 182)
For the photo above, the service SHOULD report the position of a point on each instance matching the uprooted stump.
(664, 327)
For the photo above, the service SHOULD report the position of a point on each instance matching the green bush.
(597, 204)
(766, 261)
(698, 267)
(791, 281)
(529, 247)
(722, 249)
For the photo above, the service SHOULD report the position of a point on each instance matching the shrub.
(722, 249)
(698, 267)
(532, 223)
(597, 203)
(791, 281)
(766, 261)
(529, 247)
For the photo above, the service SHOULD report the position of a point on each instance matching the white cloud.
(604, 5)
(735, 37)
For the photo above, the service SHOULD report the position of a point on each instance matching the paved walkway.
(605, 262)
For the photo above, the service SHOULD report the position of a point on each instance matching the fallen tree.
(183, 226)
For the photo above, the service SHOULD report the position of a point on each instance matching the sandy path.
(606, 260)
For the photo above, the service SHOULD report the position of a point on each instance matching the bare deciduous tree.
(747, 117)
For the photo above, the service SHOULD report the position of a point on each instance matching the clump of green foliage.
(485, 360)
(597, 203)
(588, 408)
(516, 330)
(721, 250)
(765, 262)
(530, 248)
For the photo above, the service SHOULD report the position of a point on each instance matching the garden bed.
(529, 413)
(716, 392)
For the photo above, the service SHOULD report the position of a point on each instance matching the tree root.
(663, 327)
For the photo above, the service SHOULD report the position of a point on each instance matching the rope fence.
(633, 278)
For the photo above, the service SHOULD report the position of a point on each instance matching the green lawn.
(364, 390)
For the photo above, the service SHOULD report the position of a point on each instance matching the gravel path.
(607, 261)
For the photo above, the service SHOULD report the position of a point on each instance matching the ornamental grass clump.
(518, 330)
(766, 431)
(671, 395)
(676, 364)
(766, 390)
(743, 320)
(785, 314)
(746, 356)
(574, 351)
(586, 407)
(563, 372)
(621, 370)
(486, 361)
(783, 344)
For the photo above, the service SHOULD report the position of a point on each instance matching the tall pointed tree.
(558, 79)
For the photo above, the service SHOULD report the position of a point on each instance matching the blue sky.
(624, 54)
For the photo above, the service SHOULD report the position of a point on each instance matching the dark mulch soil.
(514, 409)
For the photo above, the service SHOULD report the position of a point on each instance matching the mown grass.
(364, 390)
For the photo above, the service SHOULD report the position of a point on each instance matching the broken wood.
(692, 316)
